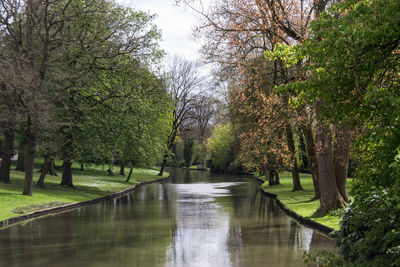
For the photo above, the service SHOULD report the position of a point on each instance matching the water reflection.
(200, 237)
(192, 220)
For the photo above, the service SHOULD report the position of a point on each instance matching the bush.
(370, 229)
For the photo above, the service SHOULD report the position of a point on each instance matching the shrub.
(370, 229)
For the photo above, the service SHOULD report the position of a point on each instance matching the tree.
(56, 49)
(354, 69)
(202, 113)
(127, 118)
(264, 121)
(188, 152)
(123, 54)
(198, 126)
(9, 126)
(238, 32)
(220, 147)
(240, 29)
(182, 81)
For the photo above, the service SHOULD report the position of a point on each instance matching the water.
(191, 220)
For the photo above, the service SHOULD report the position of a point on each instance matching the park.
(272, 138)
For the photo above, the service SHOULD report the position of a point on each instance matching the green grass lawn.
(299, 201)
(91, 183)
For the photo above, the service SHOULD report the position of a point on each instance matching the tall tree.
(53, 48)
(182, 81)
(9, 126)
(237, 29)
(202, 113)
(354, 68)
(349, 84)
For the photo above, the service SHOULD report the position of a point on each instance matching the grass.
(299, 201)
(91, 183)
(194, 167)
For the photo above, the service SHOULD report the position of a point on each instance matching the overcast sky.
(176, 24)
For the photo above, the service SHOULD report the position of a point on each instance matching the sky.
(176, 23)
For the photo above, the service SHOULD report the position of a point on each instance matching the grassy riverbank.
(299, 201)
(90, 184)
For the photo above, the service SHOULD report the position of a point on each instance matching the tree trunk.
(122, 168)
(8, 151)
(163, 164)
(269, 175)
(312, 158)
(330, 196)
(170, 143)
(66, 179)
(292, 149)
(129, 176)
(342, 155)
(277, 178)
(52, 170)
(45, 169)
(272, 176)
(82, 165)
(29, 160)
(302, 150)
(21, 156)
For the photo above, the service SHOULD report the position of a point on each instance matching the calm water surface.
(193, 219)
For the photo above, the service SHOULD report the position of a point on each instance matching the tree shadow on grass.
(76, 194)
(303, 201)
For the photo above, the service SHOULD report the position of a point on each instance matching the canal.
(193, 219)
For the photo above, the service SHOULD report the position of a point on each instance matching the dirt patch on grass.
(32, 208)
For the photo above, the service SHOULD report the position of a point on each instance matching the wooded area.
(314, 86)
(307, 86)
(77, 83)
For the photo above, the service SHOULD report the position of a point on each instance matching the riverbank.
(300, 201)
(92, 184)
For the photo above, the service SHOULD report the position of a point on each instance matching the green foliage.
(235, 166)
(220, 147)
(118, 111)
(131, 127)
(370, 229)
(200, 153)
(322, 258)
(353, 66)
(285, 53)
(188, 152)
(351, 61)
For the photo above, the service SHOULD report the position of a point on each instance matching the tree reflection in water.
(194, 219)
